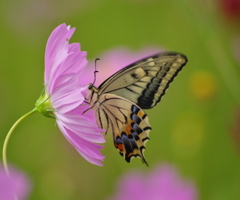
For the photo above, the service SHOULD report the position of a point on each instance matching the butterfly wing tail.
(134, 135)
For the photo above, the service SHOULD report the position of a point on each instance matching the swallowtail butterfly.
(119, 101)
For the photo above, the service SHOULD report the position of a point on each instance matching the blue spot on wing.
(135, 135)
(135, 109)
(136, 128)
(135, 118)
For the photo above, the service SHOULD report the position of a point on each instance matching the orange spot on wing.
(119, 146)
(140, 113)
(128, 128)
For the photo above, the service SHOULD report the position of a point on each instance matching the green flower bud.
(44, 106)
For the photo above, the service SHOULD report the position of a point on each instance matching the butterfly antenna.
(95, 72)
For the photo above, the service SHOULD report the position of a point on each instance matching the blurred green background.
(195, 127)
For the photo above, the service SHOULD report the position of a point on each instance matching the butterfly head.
(92, 92)
(90, 86)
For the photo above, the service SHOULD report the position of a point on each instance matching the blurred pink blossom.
(114, 60)
(163, 183)
(64, 64)
(16, 184)
(36, 15)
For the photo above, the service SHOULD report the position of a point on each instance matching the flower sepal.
(44, 106)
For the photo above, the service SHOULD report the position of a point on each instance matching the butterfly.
(119, 101)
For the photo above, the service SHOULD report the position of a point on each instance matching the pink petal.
(74, 63)
(89, 114)
(89, 150)
(82, 127)
(67, 96)
(56, 49)
(63, 81)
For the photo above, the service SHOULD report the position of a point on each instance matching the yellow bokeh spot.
(188, 133)
(203, 85)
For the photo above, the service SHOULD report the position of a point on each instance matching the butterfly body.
(119, 100)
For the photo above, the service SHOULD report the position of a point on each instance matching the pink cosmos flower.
(163, 183)
(64, 64)
(16, 184)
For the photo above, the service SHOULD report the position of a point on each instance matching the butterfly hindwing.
(127, 122)
(145, 82)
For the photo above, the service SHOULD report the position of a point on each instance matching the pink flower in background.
(163, 183)
(114, 60)
(16, 184)
(64, 64)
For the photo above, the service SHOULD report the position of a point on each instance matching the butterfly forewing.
(145, 81)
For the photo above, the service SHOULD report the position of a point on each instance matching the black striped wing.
(145, 82)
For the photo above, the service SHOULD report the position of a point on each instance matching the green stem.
(4, 152)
